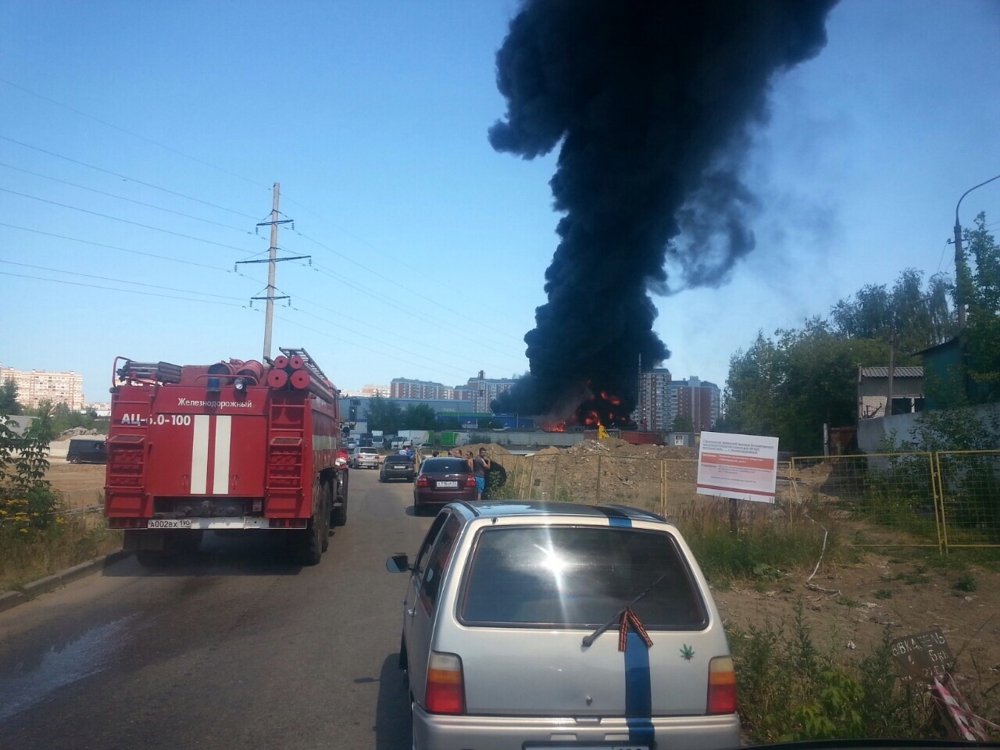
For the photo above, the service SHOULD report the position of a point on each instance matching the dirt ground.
(79, 485)
(902, 591)
(851, 605)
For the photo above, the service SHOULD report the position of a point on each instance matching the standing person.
(480, 468)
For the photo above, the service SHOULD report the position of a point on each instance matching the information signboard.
(922, 656)
(744, 467)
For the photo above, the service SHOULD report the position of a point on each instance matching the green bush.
(789, 689)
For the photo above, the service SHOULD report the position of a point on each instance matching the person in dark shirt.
(480, 467)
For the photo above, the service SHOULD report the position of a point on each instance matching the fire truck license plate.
(169, 523)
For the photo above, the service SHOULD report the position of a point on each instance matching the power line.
(354, 343)
(393, 344)
(115, 247)
(116, 281)
(376, 273)
(127, 221)
(126, 177)
(133, 134)
(130, 200)
(113, 289)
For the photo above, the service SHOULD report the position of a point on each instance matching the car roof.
(538, 508)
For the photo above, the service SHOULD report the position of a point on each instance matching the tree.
(982, 332)
(8, 398)
(419, 417)
(682, 423)
(806, 377)
(384, 414)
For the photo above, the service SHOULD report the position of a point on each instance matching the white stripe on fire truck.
(223, 438)
(199, 455)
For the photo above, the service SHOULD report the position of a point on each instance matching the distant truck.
(231, 447)
(414, 438)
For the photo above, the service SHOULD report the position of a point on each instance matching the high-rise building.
(651, 413)
(38, 385)
(480, 390)
(662, 400)
(425, 389)
(483, 390)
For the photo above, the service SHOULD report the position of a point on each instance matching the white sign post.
(740, 467)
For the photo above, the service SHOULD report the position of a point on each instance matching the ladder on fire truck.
(307, 363)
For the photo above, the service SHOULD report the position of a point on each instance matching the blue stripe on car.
(616, 517)
(638, 692)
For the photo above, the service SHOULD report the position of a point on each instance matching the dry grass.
(28, 556)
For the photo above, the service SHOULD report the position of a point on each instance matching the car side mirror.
(398, 563)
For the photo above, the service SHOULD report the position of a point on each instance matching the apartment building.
(35, 386)
(480, 390)
(662, 400)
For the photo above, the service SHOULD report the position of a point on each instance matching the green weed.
(791, 689)
(965, 582)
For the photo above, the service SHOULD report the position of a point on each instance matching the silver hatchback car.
(557, 626)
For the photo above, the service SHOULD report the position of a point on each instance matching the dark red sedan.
(442, 480)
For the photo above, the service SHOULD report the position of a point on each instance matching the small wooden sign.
(922, 655)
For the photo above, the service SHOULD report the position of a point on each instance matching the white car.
(558, 626)
(365, 458)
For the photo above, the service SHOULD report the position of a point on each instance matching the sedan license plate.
(169, 523)
(449, 483)
(400, 468)
(585, 746)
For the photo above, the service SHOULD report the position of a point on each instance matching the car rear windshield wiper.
(589, 639)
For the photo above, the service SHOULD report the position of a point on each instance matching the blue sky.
(428, 248)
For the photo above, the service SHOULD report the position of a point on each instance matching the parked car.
(365, 458)
(559, 625)
(86, 451)
(397, 466)
(442, 480)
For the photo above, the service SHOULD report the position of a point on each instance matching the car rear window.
(398, 458)
(579, 576)
(444, 466)
(367, 450)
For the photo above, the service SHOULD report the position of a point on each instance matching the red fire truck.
(233, 446)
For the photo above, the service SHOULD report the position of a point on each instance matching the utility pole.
(272, 257)
(961, 272)
(270, 294)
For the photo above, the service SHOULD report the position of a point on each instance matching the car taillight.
(721, 686)
(445, 692)
(422, 481)
(470, 481)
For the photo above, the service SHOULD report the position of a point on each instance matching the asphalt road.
(233, 648)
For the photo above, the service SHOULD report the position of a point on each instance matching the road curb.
(10, 599)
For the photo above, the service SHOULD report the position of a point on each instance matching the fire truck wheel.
(310, 543)
(339, 515)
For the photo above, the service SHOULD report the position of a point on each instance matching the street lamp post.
(960, 257)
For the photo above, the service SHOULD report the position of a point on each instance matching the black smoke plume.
(650, 103)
